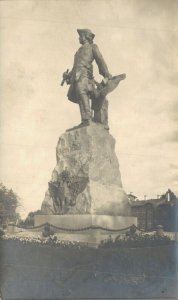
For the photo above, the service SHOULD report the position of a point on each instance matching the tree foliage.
(29, 221)
(9, 201)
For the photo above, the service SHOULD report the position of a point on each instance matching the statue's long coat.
(83, 70)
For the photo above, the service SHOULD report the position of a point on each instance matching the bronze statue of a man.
(83, 87)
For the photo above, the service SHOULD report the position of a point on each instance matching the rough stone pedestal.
(86, 179)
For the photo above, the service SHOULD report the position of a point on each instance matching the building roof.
(168, 197)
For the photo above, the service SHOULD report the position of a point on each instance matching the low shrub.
(47, 231)
(2, 232)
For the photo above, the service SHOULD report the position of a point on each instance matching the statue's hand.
(65, 74)
(66, 77)
(105, 80)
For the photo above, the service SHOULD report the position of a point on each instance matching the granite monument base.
(86, 179)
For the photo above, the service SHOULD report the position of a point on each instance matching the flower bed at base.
(136, 240)
(128, 240)
(49, 241)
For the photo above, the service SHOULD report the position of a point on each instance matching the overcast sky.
(38, 42)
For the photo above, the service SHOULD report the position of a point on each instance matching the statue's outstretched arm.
(103, 69)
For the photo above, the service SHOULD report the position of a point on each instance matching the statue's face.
(82, 39)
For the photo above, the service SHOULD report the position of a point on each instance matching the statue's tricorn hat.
(87, 32)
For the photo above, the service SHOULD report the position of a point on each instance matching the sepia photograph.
(88, 149)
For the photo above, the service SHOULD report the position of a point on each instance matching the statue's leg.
(82, 112)
(83, 99)
(84, 107)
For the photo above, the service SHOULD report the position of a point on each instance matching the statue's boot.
(85, 110)
(84, 105)
(82, 124)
